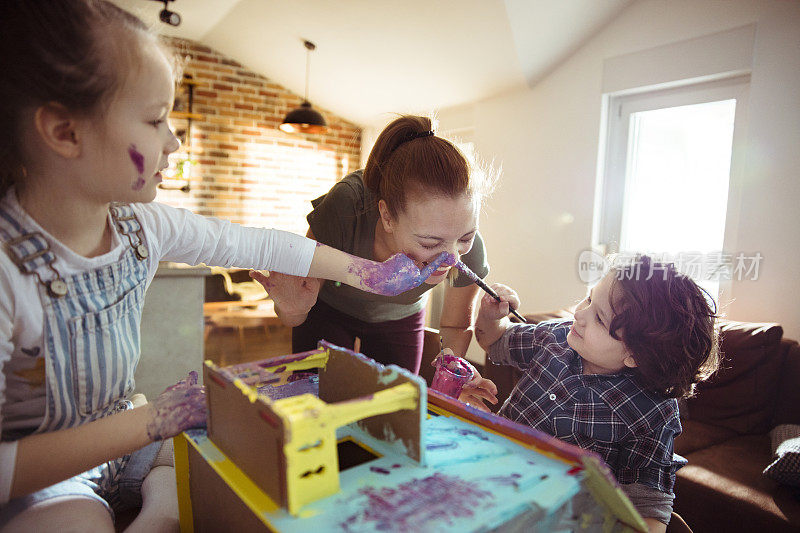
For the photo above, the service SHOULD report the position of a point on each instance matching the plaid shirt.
(610, 414)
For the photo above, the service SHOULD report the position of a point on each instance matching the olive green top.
(345, 218)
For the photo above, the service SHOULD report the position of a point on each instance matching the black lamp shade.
(304, 119)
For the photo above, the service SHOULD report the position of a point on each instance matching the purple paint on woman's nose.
(137, 158)
(395, 275)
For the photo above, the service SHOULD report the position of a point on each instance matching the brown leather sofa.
(726, 435)
(726, 431)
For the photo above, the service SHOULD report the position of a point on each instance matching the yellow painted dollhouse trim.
(181, 464)
(247, 491)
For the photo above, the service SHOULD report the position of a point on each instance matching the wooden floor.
(224, 346)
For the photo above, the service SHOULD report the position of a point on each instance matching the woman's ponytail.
(409, 157)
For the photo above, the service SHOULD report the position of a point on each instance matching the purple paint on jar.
(455, 364)
(379, 470)
(452, 373)
(137, 158)
(419, 504)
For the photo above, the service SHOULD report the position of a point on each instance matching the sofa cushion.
(741, 394)
(787, 409)
(698, 435)
(786, 453)
(722, 489)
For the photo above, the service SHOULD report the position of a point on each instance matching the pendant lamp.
(305, 119)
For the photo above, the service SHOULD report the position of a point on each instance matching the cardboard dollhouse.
(330, 440)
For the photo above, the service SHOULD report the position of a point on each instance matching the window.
(666, 186)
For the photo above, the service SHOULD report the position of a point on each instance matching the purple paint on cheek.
(399, 509)
(138, 184)
(137, 158)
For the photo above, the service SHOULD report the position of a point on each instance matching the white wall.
(546, 138)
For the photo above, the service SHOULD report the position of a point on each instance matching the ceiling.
(379, 57)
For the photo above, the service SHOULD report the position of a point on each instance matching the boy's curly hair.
(666, 321)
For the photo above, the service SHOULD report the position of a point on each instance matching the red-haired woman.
(418, 194)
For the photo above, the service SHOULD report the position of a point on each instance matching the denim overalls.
(90, 341)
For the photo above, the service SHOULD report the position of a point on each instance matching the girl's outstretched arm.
(47, 458)
(181, 236)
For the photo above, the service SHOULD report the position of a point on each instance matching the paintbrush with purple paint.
(479, 282)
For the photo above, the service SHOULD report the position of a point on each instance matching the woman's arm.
(294, 296)
(455, 325)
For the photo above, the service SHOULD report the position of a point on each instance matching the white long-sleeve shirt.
(171, 234)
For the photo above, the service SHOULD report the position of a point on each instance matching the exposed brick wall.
(249, 171)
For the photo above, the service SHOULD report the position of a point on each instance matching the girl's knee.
(159, 485)
(65, 514)
(159, 502)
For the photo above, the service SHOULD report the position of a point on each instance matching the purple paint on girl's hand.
(179, 407)
(396, 275)
(137, 158)
(418, 504)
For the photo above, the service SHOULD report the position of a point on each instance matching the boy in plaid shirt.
(609, 379)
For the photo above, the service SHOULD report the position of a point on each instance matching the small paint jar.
(452, 373)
